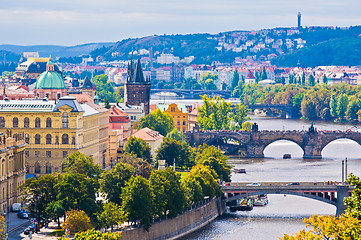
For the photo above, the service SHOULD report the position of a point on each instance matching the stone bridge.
(331, 194)
(194, 93)
(251, 144)
(288, 109)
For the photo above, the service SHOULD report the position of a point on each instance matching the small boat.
(260, 200)
(286, 156)
(239, 170)
(245, 204)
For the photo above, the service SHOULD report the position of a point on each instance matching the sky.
(72, 22)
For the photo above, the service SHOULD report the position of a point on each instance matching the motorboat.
(260, 200)
(239, 170)
(245, 204)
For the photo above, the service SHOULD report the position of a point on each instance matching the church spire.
(139, 77)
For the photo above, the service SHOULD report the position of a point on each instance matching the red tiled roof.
(147, 134)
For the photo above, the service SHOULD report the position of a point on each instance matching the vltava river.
(284, 214)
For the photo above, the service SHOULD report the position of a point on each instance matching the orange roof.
(82, 98)
(152, 107)
(147, 134)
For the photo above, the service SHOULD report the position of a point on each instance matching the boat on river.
(239, 170)
(260, 200)
(245, 204)
(286, 156)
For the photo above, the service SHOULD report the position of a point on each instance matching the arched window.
(65, 120)
(48, 138)
(26, 122)
(48, 122)
(184, 122)
(27, 138)
(37, 139)
(178, 123)
(65, 139)
(37, 169)
(2, 122)
(37, 122)
(48, 168)
(15, 122)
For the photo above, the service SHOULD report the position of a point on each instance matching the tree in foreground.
(137, 202)
(139, 147)
(76, 221)
(159, 121)
(141, 167)
(329, 227)
(112, 215)
(83, 164)
(215, 159)
(114, 180)
(168, 194)
(2, 228)
(93, 234)
(201, 182)
(172, 150)
(353, 202)
(176, 135)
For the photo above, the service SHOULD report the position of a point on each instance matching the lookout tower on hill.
(137, 88)
(299, 20)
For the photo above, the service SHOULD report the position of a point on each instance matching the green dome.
(50, 80)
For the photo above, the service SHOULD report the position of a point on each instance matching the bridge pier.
(342, 192)
(312, 152)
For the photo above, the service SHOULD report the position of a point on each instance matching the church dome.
(50, 80)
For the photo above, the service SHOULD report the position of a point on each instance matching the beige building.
(12, 168)
(153, 138)
(55, 129)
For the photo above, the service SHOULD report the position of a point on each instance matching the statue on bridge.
(312, 129)
(255, 127)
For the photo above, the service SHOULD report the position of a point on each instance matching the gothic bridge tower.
(137, 88)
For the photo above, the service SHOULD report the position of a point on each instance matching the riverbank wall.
(191, 220)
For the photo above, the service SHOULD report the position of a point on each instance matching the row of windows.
(48, 154)
(184, 123)
(48, 122)
(49, 139)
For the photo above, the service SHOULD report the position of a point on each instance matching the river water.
(284, 214)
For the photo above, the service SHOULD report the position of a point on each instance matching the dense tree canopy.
(105, 89)
(159, 121)
(172, 150)
(139, 148)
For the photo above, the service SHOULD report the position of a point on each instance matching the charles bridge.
(251, 144)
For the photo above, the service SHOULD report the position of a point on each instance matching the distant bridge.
(194, 93)
(288, 109)
(331, 194)
(251, 144)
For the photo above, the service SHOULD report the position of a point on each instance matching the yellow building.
(12, 168)
(179, 113)
(55, 129)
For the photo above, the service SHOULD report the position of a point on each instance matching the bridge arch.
(355, 139)
(301, 194)
(350, 147)
(294, 145)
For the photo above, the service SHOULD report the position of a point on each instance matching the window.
(27, 154)
(15, 122)
(37, 154)
(27, 169)
(59, 95)
(37, 122)
(48, 139)
(172, 109)
(65, 120)
(65, 139)
(27, 138)
(26, 122)
(48, 122)
(73, 141)
(2, 122)
(37, 139)
(48, 154)
(56, 169)
(48, 168)
(37, 169)
(178, 123)
(184, 122)
(64, 155)
(56, 139)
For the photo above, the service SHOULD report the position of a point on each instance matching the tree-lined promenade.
(132, 191)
